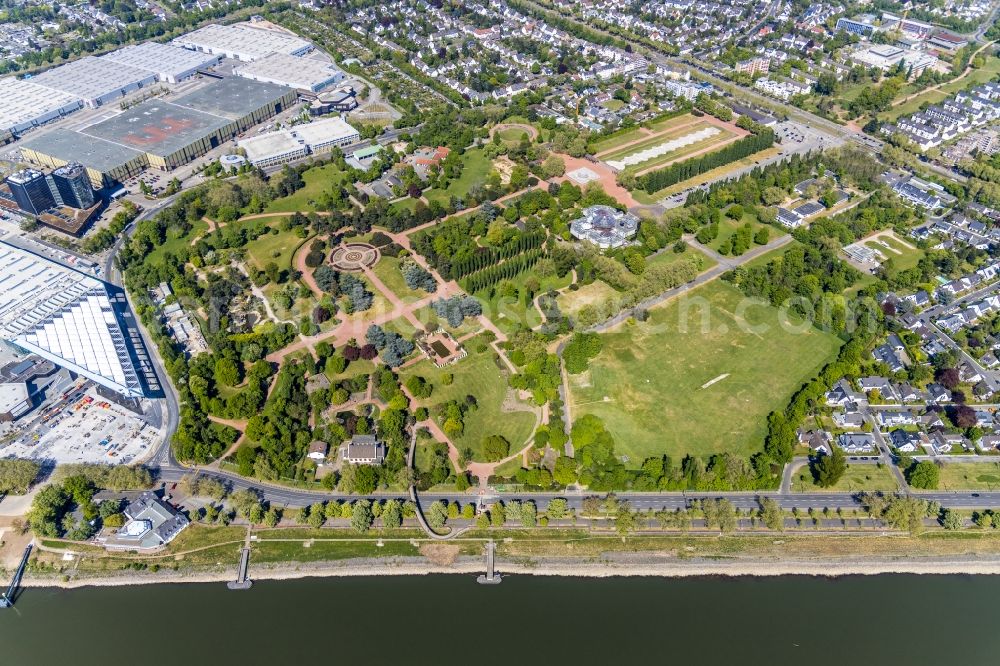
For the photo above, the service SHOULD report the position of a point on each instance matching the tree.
(362, 516)
(226, 372)
(951, 520)
(437, 515)
(16, 475)
(495, 448)
(558, 508)
(829, 469)
(392, 514)
(244, 501)
(924, 475)
(772, 514)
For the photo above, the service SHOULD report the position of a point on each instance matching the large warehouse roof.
(26, 104)
(232, 97)
(325, 131)
(70, 146)
(157, 127)
(66, 317)
(304, 73)
(92, 78)
(242, 42)
(169, 63)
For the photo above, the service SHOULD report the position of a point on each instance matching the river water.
(852, 621)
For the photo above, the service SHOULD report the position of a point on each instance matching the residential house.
(856, 442)
(880, 384)
(937, 393)
(887, 419)
(318, 450)
(905, 441)
(820, 442)
(841, 394)
(363, 450)
(944, 443)
(988, 442)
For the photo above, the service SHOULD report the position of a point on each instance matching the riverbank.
(620, 565)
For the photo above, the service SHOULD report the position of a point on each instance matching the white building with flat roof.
(242, 41)
(169, 63)
(288, 70)
(66, 317)
(319, 136)
(25, 105)
(95, 81)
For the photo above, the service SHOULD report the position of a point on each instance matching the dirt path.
(938, 86)
(299, 263)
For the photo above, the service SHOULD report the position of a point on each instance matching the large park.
(461, 321)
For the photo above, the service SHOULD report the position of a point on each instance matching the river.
(884, 620)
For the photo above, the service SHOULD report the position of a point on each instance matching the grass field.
(856, 478)
(662, 387)
(509, 314)
(655, 140)
(477, 375)
(728, 227)
(613, 142)
(642, 197)
(905, 256)
(969, 476)
(571, 302)
(176, 242)
(476, 167)
(387, 270)
(317, 180)
(277, 247)
(512, 134)
(427, 316)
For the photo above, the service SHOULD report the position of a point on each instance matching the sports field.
(705, 387)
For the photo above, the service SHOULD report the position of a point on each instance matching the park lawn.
(387, 270)
(612, 142)
(771, 255)
(408, 203)
(476, 166)
(571, 302)
(469, 325)
(667, 256)
(275, 245)
(856, 478)
(670, 123)
(175, 242)
(969, 476)
(665, 388)
(402, 326)
(649, 199)
(728, 227)
(353, 369)
(380, 305)
(478, 375)
(317, 180)
(512, 134)
(613, 104)
(509, 314)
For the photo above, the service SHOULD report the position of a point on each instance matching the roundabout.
(354, 257)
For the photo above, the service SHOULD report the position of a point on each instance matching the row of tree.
(654, 181)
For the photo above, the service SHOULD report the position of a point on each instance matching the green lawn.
(673, 155)
(666, 387)
(176, 242)
(728, 227)
(856, 478)
(571, 302)
(644, 198)
(387, 270)
(476, 166)
(512, 134)
(317, 180)
(613, 142)
(509, 314)
(613, 104)
(477, 375)
(275, 245)
(354, 369)
(969, 476)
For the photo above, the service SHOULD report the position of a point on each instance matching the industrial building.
(95, 81)
(286, 70)
(106, 163)
(170, 64)
(161, 134)
(340, 100)
(26, 105)
(241, 41)
(169, 135)
(317, 137)
(71, 319)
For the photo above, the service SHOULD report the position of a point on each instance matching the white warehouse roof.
(66, 317)
(287, 70)
(168, 63)
(241, 41)
(272, 148)
(94, 80)
(323, 133)
(26, 104)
